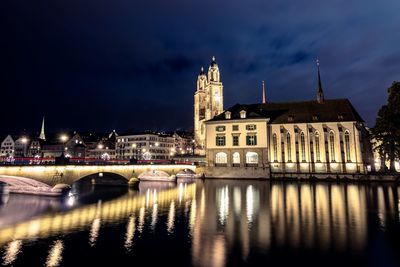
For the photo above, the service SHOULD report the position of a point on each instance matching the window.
(303, 147)
(347, 145)
(227, 115)
(243, 114)
(289, 147)
(251, 158)
(220, 128)
(251, 140)
(290, 118)
(317, 154)
(332, 145)
(275, 147)
(220, 141)
(235, 127)
(221, 158)
(235, 139)
(236, 158)
(251, 127)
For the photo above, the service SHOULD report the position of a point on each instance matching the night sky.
(124, 64)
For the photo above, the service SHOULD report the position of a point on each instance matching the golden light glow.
(55, 254)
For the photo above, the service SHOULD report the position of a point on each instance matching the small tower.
(263, 93)
(42, 136)
(320, 92)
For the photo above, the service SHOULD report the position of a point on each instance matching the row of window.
(317, 147)
(249, 127)
(222, 158)
(251, 140)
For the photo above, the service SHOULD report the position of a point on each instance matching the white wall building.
(7, 148)
(145, 146)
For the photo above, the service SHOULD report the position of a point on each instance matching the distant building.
(145, 146)
(21, 147)
(316, 136)
(7, 148)
(208, 102)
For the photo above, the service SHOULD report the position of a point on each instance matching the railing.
(25, 161)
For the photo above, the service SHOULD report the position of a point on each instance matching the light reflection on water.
(228, 221)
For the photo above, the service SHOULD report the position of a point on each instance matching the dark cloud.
(133, 65)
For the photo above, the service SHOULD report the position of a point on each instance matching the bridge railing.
(28, 161)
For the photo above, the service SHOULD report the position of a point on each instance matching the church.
(317, 136)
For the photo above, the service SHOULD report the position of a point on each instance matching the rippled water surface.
(210, 223)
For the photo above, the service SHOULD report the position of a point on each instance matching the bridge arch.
(103, 178)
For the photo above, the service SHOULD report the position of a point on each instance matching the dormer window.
(315, 118)
(228, 115)
(243, 114)
(340, 116)
(290, 118)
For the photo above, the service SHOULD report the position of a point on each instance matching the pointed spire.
(320, 92)
(202, 70)
(263, 93)
(42, 134)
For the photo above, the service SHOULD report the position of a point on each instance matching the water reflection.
(11, 251)
(55, 254)
(228, 221)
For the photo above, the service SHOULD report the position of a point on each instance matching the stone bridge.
(68, 174)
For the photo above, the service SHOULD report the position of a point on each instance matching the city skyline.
(99, 69)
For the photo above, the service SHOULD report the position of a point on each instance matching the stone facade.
(208, 102)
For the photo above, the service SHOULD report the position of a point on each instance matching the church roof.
(332, 110)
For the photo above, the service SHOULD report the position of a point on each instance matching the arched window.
(251, 158)
(275, 147)
(347, 145)
(289, 147)
(221, 158)
(332, 145)
(303, 146)
(317, 152)
(236, 158)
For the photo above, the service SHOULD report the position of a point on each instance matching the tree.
(386, 132)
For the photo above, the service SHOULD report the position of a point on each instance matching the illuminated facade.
(316, 136)
(145, 146)
(208, 102)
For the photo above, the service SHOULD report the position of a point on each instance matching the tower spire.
(263, 93)
(42, 135)
(320, 92)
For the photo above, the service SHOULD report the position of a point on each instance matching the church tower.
(42, 135)
(208, 101)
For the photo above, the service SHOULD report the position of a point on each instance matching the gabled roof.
(332, 110)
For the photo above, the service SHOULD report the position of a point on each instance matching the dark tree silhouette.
(386, 133)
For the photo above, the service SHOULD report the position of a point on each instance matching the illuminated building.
(208, 102)
(316, 136)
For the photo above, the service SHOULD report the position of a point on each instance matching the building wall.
(7, 147)
(136, 146)
(341, 148)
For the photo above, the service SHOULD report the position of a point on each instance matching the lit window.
(317, 153)
(236, 158)
(275, 147)
(243, 114)
(347, 145)
(289, 147)
(251, 158)
(221, 158)
(303, 147)
(332, 145)
(227, 115)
